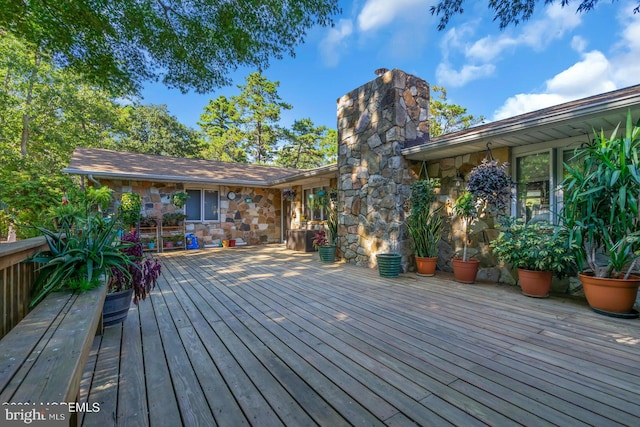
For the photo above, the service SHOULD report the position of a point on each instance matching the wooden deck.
(266, 337)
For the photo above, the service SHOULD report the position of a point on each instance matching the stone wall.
(256, 222)
(375, 122)
(482, 231)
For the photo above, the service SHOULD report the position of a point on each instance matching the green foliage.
(180, 199)
(332, 217)
(151, 129)
(220, 131)
(246, 128)
(130, 208)
(425, 223)
(27, 196)
(77, 256)
(466, 209)
(45, 112)
(188, 45)
(445, 117)
(505, 12)
(260, 107)
(99, 199)
(305, 147)
(535, 246)
(602, 202)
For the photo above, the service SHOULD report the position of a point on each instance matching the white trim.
(202, 219)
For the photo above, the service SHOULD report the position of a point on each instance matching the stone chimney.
(375, 122)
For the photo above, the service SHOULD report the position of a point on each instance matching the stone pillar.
(375, 122)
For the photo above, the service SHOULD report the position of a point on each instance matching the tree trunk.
(26, 119)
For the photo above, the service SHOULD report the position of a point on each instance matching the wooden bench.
(43, 357)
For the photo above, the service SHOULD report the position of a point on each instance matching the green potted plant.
(173, 219)
(129, 209)
(601, 211)
(78, 255)
(137, 280)
(465, 269)
(424, 226)
(326, 250)
(538, 251)
(180, 199)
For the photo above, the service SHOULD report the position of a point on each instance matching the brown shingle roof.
(124, 165)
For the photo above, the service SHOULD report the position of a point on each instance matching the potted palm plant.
(424, 226)
(465, 269)
(601, 211)
(538, 251)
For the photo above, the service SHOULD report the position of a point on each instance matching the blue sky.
(556, 56)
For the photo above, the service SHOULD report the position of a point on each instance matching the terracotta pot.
(225, 243)
(426, 266)
(615, 296)
(536, 284)
(465, 271)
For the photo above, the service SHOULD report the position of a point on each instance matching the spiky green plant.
(601, 202)
(77, 256)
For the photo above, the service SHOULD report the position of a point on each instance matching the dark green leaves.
(188, 45)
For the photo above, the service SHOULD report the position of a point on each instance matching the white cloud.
(448, 77)
(578, 44)
(594, 73)
(588, 77)
(625, 66)
(378, 13)
(537, 34)
(334, 43)
(481, 56)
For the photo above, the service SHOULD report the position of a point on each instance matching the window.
(202, 205)
(533, 178)
(315, 200)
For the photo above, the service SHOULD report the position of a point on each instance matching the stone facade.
(482, 231)
(375, 122)
(255, 222)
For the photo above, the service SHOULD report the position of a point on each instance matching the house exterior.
(383, 146)
(226, 200)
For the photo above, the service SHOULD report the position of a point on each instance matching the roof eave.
(510, 126)
(166, 178)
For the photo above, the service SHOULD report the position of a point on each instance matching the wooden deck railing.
(16, 280)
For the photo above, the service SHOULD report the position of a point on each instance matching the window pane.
(534, 177)
(210, 205)
(193, 205)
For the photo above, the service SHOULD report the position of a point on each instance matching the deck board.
(264, 336)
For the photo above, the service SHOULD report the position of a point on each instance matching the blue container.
(192, 241)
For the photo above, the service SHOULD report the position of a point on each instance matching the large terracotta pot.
(465, 271)
(535, 284)
(426, 266)
(610, 296)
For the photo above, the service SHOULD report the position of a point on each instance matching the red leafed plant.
(320, 239)
(143, 270)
